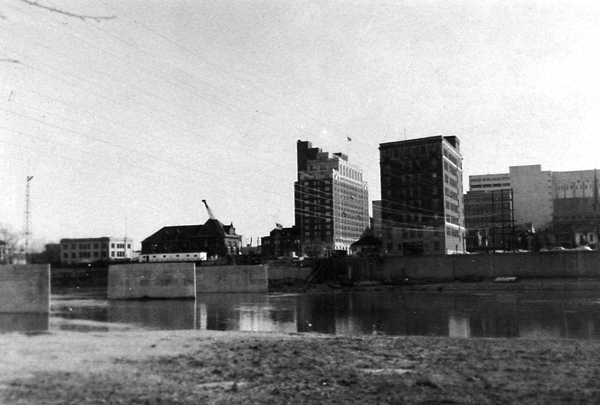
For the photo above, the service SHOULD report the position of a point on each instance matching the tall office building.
(331, 201)
(422, 196)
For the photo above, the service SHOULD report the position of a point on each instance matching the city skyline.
(127, 123)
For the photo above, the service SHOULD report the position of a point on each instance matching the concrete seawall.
(281, 271)
(236, 279)
(152, 280)
(524, 265)
(25, 289)
(182, 280)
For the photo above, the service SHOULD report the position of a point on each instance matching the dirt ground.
(209, 367)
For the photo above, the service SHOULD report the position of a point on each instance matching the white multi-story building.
(92, 250)
(331, 201)
(532, 192)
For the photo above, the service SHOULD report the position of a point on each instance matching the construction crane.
(210, 214)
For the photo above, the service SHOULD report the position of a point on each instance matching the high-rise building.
(331, 201)
(422, 196)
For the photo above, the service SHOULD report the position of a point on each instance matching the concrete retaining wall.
(249, 279)
(281, 271)
(25, 288)
(152, 280)
(524, 265)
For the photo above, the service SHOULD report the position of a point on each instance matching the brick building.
(281, 242)
(209, 241)
(422, 196)
(95, 250)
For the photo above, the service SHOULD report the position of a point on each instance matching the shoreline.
(287, 286)
(190, 367)
(233, 367)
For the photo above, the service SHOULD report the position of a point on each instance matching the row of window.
(90, 255)
(412, 151)
(452, 207)
(450, 169)
(450, 181)
(490, 185)
(451, 194)
(88, 246)
(481, 179)
(576, 186)
(451, 219)
(452, 232)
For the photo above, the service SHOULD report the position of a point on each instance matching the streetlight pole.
(27, 220)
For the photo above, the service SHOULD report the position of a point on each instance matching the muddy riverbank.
(191, 367)
(469, 284)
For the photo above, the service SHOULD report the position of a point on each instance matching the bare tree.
(12, 250)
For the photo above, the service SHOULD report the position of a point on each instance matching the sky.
(129, 114)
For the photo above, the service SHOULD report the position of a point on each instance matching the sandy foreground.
(210, 367)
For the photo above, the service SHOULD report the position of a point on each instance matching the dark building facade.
(213, 240)
(422, 196)
(489, 219)
(331, 201)
(281, 242)
(576, 209)
(576, 222)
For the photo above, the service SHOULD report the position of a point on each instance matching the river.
(507, 314)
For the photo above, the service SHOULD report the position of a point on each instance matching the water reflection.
(529, 314)
(165, 315)
(388, 313)
(13, 322)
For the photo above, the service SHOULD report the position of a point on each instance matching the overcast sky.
(127, 123)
